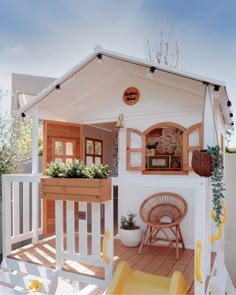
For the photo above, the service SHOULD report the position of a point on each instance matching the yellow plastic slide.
(126, 281)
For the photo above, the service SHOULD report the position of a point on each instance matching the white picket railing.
(21, 213)
(22, 221)
(101, 247)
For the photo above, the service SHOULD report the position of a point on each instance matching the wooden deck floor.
(154, 260)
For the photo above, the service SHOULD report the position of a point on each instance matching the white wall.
(230, 225)
(134, 189)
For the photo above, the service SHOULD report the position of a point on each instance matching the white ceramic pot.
(130, 238)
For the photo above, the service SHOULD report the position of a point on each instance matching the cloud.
(13, 51)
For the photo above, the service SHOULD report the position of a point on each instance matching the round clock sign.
(131, 96)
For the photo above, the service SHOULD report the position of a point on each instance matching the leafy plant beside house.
(77, 169)
(217, 181)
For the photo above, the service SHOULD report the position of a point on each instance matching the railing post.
(35, 142)
(202, 258)
(110, 240)
(35, 212)
(59, 233)
(6, 216)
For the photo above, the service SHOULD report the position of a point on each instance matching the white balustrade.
(20, 221)
(97, 255)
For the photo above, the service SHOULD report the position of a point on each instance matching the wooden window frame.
(93, 155)
(63, 156)
(186, 148)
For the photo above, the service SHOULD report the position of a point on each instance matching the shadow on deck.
(154, 260)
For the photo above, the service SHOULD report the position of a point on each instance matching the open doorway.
(101, 146)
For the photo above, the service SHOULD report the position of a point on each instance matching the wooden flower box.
(76, 189)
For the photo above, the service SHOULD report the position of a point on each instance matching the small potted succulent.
(130, 233)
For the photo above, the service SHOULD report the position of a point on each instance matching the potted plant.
(78, 182)
(130, 233)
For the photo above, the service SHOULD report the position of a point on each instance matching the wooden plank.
(168, 263)
(70, 227)
(26, 207)
(63, 134)
(59, 234)
(6, 216)
(76, 198)
(96, 228)
(76, 182)
(60, 189)
(189, 271)
(83, 247)
(16, 206)
(77, 189)
(35, 212)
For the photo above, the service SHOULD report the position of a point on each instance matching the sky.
(49, 37)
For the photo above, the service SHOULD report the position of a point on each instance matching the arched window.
(164, 148)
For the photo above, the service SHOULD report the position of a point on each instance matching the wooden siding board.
(86, 190)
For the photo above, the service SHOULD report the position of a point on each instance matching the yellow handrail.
(222, 221)
(104, 247)
(225, 214)
(219, 234)
(198, 265)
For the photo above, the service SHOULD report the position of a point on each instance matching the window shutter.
(135, 156)
(192, 140)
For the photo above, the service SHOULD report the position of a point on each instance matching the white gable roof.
(85, 88)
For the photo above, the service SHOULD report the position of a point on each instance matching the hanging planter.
(209, 163)
(202, 163)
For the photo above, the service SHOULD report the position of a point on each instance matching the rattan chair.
(162, 213)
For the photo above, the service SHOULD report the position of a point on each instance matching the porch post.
(210, 138)
(35, 188)
(200, 263)
(6, 216)
(35, 142)
(208, 119)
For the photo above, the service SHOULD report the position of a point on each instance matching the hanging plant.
(217, 181)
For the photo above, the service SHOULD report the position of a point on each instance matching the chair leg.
(181, 238)
(177, 243)
(143, 239)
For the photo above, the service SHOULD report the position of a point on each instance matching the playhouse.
(143, 120)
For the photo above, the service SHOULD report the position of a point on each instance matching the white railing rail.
(94, 249)
(21, 214)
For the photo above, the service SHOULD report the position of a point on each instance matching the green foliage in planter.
(217, 181)
(128, 222)
(77, 169)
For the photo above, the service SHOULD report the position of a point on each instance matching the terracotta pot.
(202, 163)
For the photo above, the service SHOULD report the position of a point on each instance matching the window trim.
(186, 148)
(63, 156)
(93, 155)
